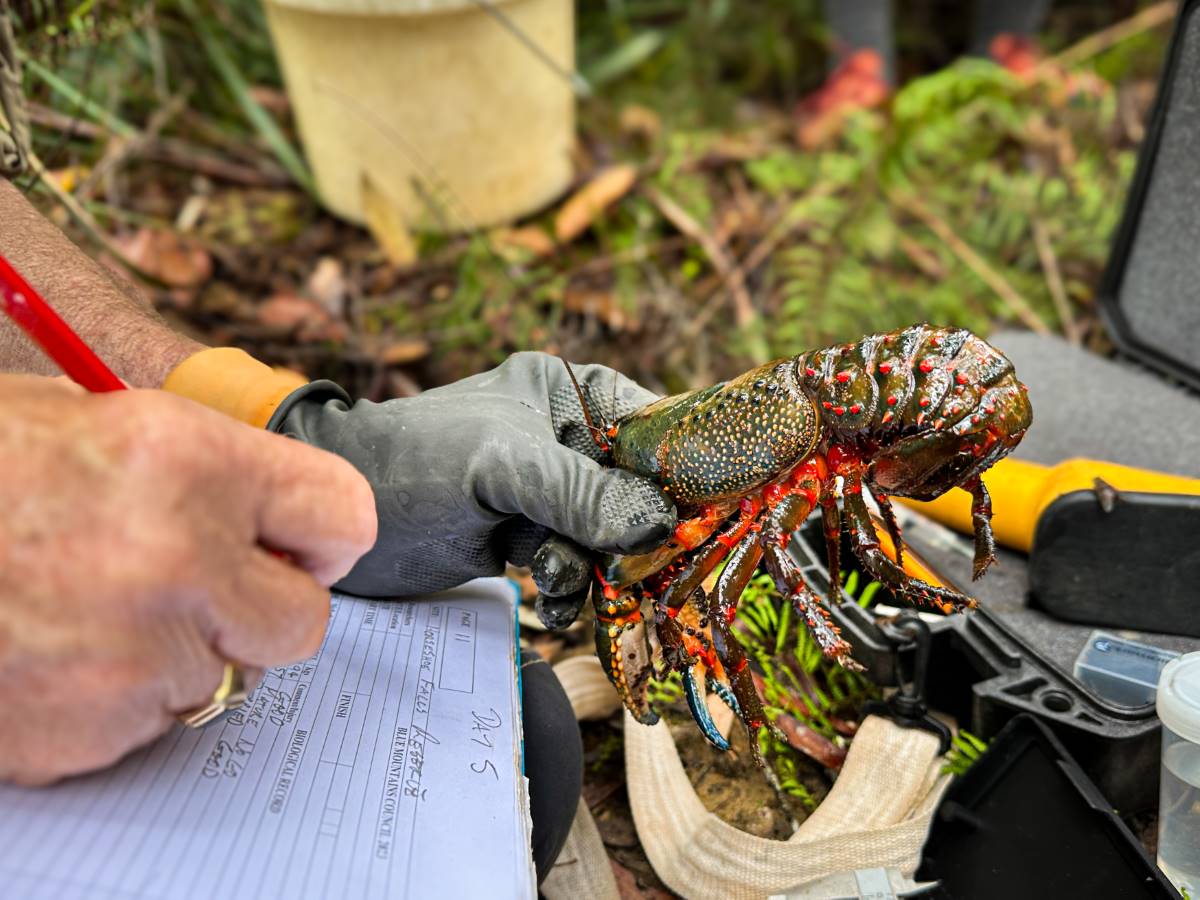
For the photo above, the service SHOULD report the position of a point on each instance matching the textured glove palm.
(488, 470)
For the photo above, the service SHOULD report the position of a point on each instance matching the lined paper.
(385, 766)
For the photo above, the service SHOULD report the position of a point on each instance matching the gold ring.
(230, 694)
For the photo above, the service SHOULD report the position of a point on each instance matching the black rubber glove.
(492, 469)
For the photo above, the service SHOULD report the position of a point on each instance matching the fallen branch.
(1106, 38)
(733, 282)
(801, 737)
(121, 149)
(1058, 293)
(169, 150)
(1019, 306)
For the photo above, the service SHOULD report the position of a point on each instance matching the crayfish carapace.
(911, 413)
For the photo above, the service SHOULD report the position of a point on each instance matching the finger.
(605, 509)
(313, 506)
(561, 567)
(271, 613)
(557, 613)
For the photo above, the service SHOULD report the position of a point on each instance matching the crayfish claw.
(700, 713)
(625, 656)
(727, 696)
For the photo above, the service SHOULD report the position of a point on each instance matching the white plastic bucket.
(437, 105)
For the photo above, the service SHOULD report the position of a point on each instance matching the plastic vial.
(1179, 798)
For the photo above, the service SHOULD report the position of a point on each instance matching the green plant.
(787, 773)
(965, 751)
(797, 680)
(666, 691)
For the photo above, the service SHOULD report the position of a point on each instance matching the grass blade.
(258, 117)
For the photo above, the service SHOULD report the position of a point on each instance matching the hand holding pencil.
(136, 565)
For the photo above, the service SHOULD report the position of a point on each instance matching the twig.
(194, 159)
(784, 226)
(87, 222)
(803, 738)
(172, 151)
(717, 254)
(52, 118)
(1150, 17)
(122, 149)
(1054, 282)
(1020, 307)
(929, 264)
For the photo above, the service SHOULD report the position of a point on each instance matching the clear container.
(1178, 706)
(1121, 671)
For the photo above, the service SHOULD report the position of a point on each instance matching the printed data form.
(386, 766)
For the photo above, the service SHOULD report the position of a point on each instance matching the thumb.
(604, 509)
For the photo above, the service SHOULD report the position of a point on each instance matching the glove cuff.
(233, 382)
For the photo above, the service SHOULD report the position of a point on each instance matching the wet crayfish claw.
(911, 413)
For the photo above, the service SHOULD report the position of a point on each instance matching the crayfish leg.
(865, 542)
(737, 574)
(831, 524)
(884, 502)
(784, 519)
(981, 519)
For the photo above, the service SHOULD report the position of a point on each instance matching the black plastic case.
(984, 674)
(1025, 821)
(1150, 293)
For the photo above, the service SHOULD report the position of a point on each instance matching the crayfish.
(911, 413)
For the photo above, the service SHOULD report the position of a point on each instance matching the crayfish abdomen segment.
(722, 442)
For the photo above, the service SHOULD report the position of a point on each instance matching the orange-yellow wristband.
(233, 382)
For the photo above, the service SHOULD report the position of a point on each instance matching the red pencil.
(46, 328)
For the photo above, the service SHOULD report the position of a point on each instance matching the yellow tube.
(1022, 490)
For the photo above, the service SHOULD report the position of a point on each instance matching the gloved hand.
(492, 469)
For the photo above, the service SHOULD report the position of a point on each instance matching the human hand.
(492, 469)
(134, 563)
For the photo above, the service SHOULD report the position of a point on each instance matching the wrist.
(164, 356)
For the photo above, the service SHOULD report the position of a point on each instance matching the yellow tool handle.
(1022, 490)
(233, 382)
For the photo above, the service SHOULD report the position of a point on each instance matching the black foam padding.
(1025, 821)
(1151, 294)
(1004, 592)
(1087, 406)
(1152, 536)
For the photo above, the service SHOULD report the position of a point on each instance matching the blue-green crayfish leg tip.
(700, 712)
(722, 690)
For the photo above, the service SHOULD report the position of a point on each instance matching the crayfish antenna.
(599, 435)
